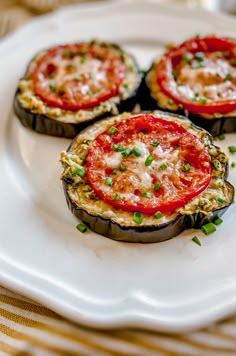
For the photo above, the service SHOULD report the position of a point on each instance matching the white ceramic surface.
(173, 286)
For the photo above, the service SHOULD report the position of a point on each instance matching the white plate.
(175, 285)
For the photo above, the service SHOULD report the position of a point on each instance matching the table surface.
(28, 328)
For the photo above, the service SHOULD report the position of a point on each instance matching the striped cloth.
(28, 328)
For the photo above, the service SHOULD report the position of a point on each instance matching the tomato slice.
(77, 76)
(200, 75)
(147, 164)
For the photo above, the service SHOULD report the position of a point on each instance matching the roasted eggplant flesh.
(118, 224)
(44, 117)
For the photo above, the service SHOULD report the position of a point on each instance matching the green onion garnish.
(220, 200)
(187, 167)
(227, 77)
(108, 181)
(126, 152)
(77, 77)
(116, 196)
(121, 168)
(149, 160)
(156, 186)
(196, 240)
(126, 85)
(78, 172)
(52, 87)
(155, 143)
(175, 73)
(232, 149)
(217, 221)
(114, 171)
(138, 217)
(221, 137)
(146, 195)
(233, 61)
(67, 53)
(112, 130)
(61, 91)
(81, 227)
(136, 151)
(82, 59)
(117, 148)
(163, 166)
(199, 56)
(186, 59)
(158, 215)
(208, 228)
(233, 164)
(202, 100)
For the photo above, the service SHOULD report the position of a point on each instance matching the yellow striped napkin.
(28, 328)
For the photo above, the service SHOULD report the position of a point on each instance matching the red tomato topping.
(200, 74)
(148, 164)
(77, 76)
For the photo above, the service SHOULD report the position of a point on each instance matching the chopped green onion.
(221, 137)
(112, 130)
(202, 100)
(61, 91)
(208, 228)
(108, 181)
(156, 186)
(217, 221)
(232, 149)
(116, 196)
(227, 77)
(220, 200)
(126, 85)
(175, 73)
(187, 167)
(146, 195)
(163, 166)
(121, 168)
(233, 164)
(78, 172)
(67, 53)
(233, 61)
(81, 227)
(117, 148)
(186, 59)
(126, 152)
(114, 171)
(170, 102)
(82, 59)
(196, 240)
(199, 56)
(77, 77)
(52, 87)
(149, 160)
(136, 151)
(155, 143)
(158, 215)
(138, 217)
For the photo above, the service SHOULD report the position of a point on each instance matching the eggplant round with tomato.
(67, 86)
(197, 78)
(145, 177)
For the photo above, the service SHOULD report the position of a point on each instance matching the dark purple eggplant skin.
(143, 234)
(151, 233)
(215, 127)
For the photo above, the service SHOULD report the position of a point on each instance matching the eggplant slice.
(119, 225)
(34, 113)
(216, 126)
